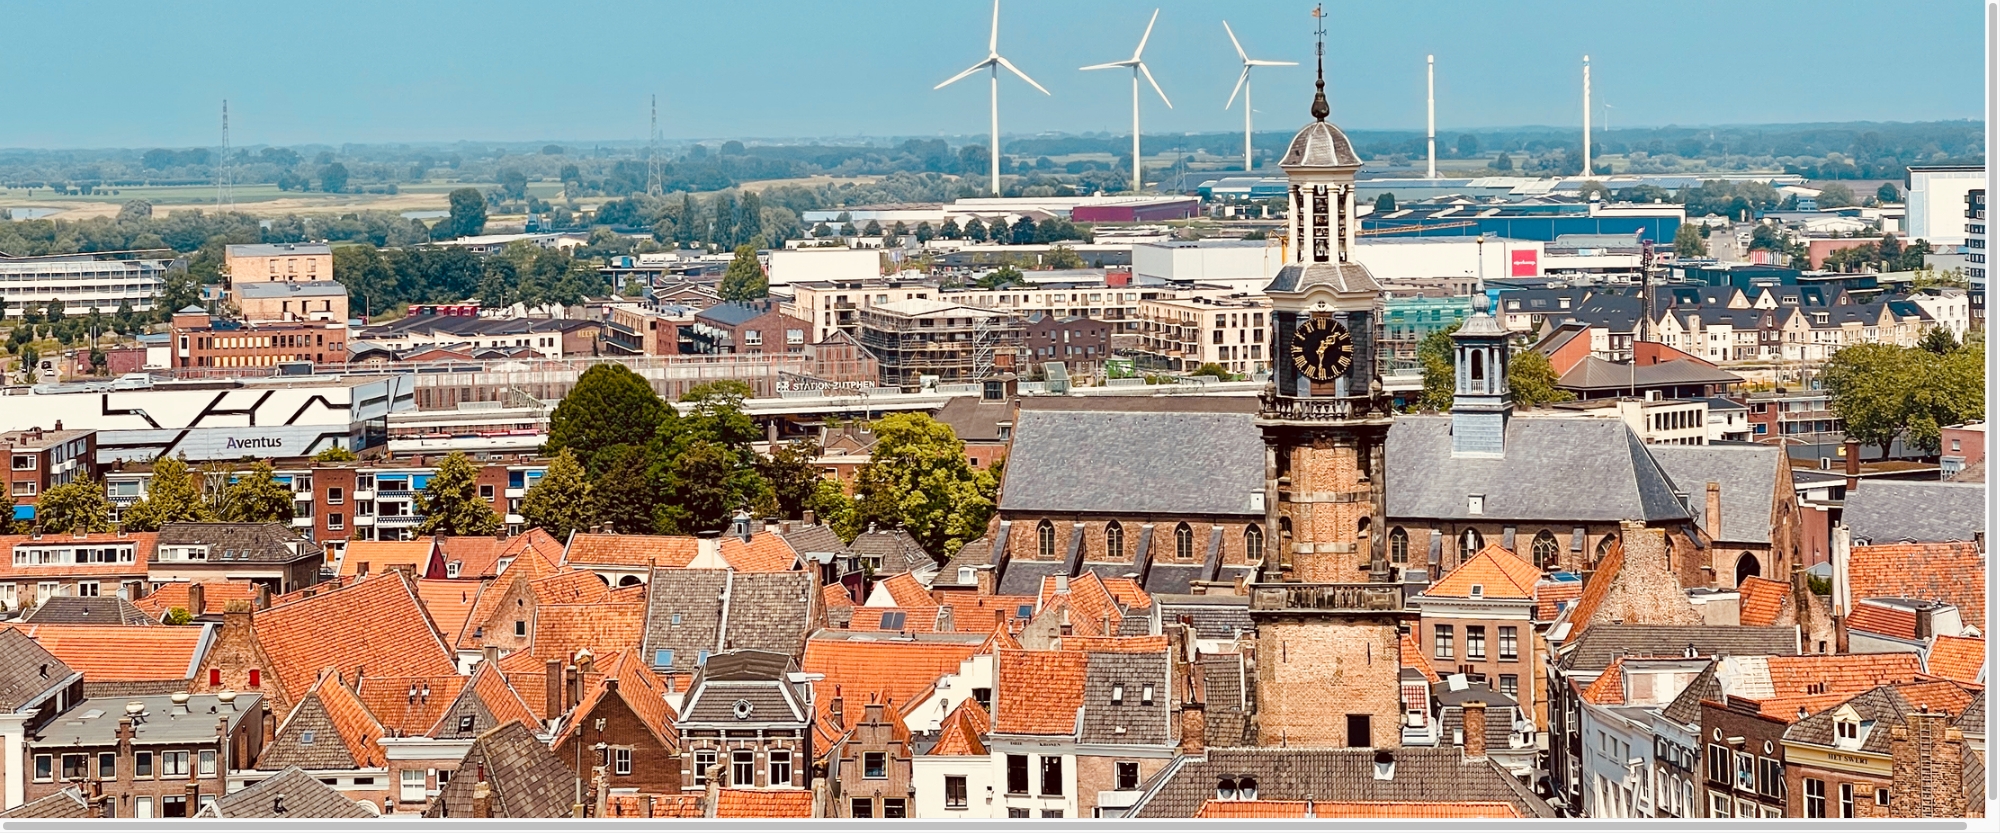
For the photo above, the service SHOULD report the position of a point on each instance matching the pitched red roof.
(1128, 592)
(1932, 572)
(563, 629)
(1550, 596)
(1089, 602)
(1958, 658)
(175, 594)
(889, 672)
(1413, 657)
(1609, 687)
(623, 676)
(390, 700)
(379, 556)
(499, 695)
(1038, 692)
(835, 595)
(764, 804)
(495, 593)
(122, 653)
(1879, 618)
(1596, 589)
(963, 732)
(766, 552)
(357, 726)
(1115, 644)
(906, 591)
(449, 602)
(915, 620)
(1815, 674)
(1497, 572)
(377, 627)
(1763, 599)
(570, 587)
(143, 547)
(630, 550)
(679, 806)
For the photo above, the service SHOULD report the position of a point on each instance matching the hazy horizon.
(508, 72)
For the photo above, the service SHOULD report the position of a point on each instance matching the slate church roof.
(1554, 468)
(1748, 475)
(291, 794)
(1125, 462)
(1888, 511)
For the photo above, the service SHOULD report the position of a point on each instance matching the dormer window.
(1478, 591)
(1146, 696)
(966, 575)
(1117, 695)
(1475, 504)
(1225, 789)
(1846, 732)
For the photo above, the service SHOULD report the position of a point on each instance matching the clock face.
(1322, 349)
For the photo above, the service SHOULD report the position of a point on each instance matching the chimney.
(236, 620)
(1713, 515)
(1194, 727)
(806, 517)
(983, 576)
(1062, 583)
(197, 599)
(712, 796)
(819, 808)
(1474, 721)
(572, 682)
(490, 655)
(837, 710)
(708, 548)
(1927, 767)
(482, 800)
(361, 569)
(552, 675)
(1850, 453)
(599, 792)
(193, 792)
(943, 623)
(1926, 626)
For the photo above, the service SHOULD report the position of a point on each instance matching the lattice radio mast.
(225, 196)
(652, 155)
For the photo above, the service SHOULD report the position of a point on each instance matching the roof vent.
(180, 699)
(1385, 765)
(227, 698)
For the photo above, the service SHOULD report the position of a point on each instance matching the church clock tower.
(1324, 419)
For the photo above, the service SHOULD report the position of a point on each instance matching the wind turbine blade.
(993, 40)
(1156, 85)
(1240, 79)
(1145, 37)
(1024, 76)
(961, 76)
(1234, 42)
(1112, 65)
(1261, 63)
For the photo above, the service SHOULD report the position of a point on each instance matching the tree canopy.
(744, 280)
(1883, 392)
(609, 407)
(917, 477)
(450, 502)
(174, 495)
(76, 506)
(561, 502)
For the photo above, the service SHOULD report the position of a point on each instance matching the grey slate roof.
(1888, 511)
(694, 596)
(84, 610)
(976, 553)
(976, 419)
(732, 313)
(1883, 705)
(1686, 707)
(1973, 721)
(1213, 617)
(309, 738)
(811, 540)
(1227, 704)
(1320, 145)
(765, 611)
(1073, 462)
(1554, 468)
(1598, 645)
(896, 551)
(1298, 774)
(278, 249)
(66, 803)
(1142, 724)
(1749, 478)
(759, 677)
(527, 780)
(1595, 374)
(770, 612)
(27, 670)
(291, 794)
(1343, 278)
(94, 722)
(1024, 578)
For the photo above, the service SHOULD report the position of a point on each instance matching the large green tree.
(174, 495)
(917, 476)
(793, 472)
(627, 494)
(468, 213)
(707, 467)
(1883, 392)
(562, 501)
(744, 280)
(257, 497)
(76, 506)
(451, 504)
(610, 406)
(1688, 242)
(1531, 380)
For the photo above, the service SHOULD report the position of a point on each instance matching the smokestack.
(1474, 722)
(1586, 117)
(1431, 109)
(1713, 511)
(1850, 451)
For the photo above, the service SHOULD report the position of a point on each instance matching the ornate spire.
(1320, 109)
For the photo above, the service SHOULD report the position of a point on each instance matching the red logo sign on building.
(1523, 263)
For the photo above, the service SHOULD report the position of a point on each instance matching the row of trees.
(378, 280)
(623, 458)
(1884, 392)
(178, 493)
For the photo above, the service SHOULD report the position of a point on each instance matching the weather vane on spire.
(1320, 110)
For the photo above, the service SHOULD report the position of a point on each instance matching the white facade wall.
(927, 774)
(1415, 258)
(80, 284)
(1951, 309)
(1245, 266)
(1936, 203)
(1613, 788)
(1037, 804)
(790, 266)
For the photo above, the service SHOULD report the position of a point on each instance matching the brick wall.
(655, 768)
(1313, 672)
(1927, 766)
(234, 655)
(1095, 773)
(1864, 791)
(1024, 541)
(1326, 504)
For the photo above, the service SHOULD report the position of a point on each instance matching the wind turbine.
(1138, 66)
(1243, 86)
(992, 64)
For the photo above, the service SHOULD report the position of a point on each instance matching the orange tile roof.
(1499, 574)
(570, 587)
(389, 699)
(174, 594)
(766, 552)
(639, 688)
(1888, 621)
(562, 629)
(381, 555)
(495, 593)
(1958, 658)
(1039, 692)
(907, 591)
(449, 602)
(1115, 644)
(142, 555)
(1948, 696)
(1413, 657)
(356, 725)
(1549, 596)
(764, 804)
(626, 594)
(1224, 809)
(500, 697)
(890, 672)
(1792, 709)
(476, 555)
(1839, 673)
(1128, 592)
(1416, 810)
(652, 806)
(1934, 572)
(1089, 601)
(122, 653)
(1596, 589)
(963, 731)
(1763, 600)
(999, 639)
(915, 620)
(976, 612)
(377, 624)
(835, 595)
(630, 550)
(1609, 687)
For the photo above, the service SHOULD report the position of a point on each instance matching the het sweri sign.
(1522, 263)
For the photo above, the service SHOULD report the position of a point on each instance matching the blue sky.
(131, 74)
